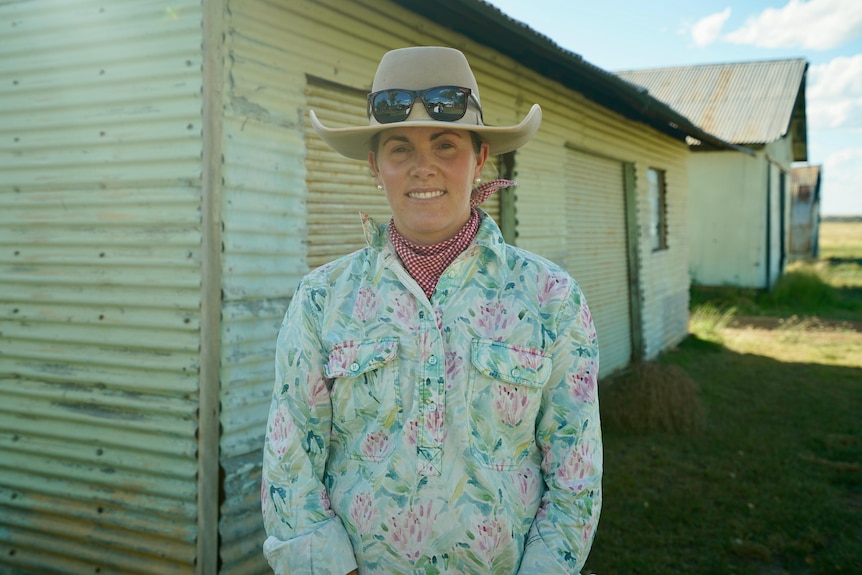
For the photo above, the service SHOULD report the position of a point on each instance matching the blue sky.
(632, 34)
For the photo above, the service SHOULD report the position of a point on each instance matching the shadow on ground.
(771, 484)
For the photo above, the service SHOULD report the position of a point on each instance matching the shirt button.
(432, 360)
(451, 274)
(354, 366)
(432, 407)
(516, 372)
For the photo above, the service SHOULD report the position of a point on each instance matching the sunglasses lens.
(446, 103)
(391, 105)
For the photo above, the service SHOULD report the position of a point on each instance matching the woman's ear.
(481, 158)
(372, 163)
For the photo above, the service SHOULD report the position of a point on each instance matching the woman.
(435, 406)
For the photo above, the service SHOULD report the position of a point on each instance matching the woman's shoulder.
(520, 258)
(537, 274)
(345, 264)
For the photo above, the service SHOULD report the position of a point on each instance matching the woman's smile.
(423, 195)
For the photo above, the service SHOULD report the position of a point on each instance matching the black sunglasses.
(444, 103)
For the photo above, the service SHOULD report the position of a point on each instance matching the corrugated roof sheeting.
(489, 26)
(99, 285)
(743, 103)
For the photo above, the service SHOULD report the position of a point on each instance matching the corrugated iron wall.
(100, 170)
(338, 188)
(595, 210)
(572, 122)
(264, 251)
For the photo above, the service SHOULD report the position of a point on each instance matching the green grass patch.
(769, 482)
(815, 289)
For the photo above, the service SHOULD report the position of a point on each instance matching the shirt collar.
(489, 235)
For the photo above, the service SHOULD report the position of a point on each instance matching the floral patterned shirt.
(456, 434)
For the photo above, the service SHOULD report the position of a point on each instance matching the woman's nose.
(423, 164)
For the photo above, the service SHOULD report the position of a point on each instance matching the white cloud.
(815, 24)
(842, 183)
(706, 30)
(834, 93)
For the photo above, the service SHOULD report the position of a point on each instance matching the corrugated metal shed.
(743, 103)
(100, 191)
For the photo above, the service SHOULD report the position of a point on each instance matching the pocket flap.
(353, 358)
(511, 363)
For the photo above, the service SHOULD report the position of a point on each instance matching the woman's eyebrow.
(396, 138)
(445, 133)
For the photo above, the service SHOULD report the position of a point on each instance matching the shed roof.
(744, 103)
(487, 25)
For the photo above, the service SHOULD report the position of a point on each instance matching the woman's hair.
(476, 138)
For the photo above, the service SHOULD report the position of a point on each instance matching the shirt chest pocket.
(506, 384)
(366, 397)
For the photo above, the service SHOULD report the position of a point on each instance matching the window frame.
(657, 200)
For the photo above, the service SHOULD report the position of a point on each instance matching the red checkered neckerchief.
(426, 264)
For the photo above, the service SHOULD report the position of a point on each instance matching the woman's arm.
(569, 435)
(302, 529)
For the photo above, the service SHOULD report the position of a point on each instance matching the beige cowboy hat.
(420, 68)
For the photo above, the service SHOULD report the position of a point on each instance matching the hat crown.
(422, 67)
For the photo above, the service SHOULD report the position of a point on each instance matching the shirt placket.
(431, 430)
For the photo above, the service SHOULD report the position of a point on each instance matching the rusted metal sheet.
(805, 211)
(99, 286)
(743, 103)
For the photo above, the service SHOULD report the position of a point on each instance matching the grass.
(840, 239)
(740, 451)
(829, 289)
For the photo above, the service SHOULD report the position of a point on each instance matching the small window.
(657, 209)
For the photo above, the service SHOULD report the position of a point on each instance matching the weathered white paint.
(740, 206)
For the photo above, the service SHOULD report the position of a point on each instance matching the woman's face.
(428, 176)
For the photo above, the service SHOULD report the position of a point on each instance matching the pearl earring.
(477, 180)
(379, 187)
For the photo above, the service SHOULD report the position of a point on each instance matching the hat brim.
(355, 142)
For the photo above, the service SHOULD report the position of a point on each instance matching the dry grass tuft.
(707, 321)
(652, 397)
